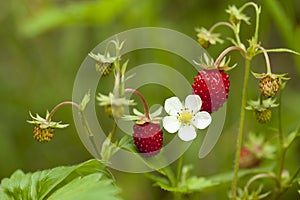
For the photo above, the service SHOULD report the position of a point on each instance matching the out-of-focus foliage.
(43, 42)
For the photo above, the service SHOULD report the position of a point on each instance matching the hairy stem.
(241, 130)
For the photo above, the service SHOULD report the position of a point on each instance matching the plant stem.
(241, 129)
(236, 31)
(267, 59)
(179, 168)
(60, 105)
(257, 12)
(113, 131)
(142, 99)
(220, 24)
(83, 119)
(260, 176)
(283, 149)
(227, 50)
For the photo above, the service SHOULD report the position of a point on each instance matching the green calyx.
(262, 109)
(45, 122)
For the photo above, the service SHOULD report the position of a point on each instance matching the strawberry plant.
(149, 133)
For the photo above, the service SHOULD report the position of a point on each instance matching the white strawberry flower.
(185, 118)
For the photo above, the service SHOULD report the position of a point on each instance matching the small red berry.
(248, 159)
(148, 138)
(212, 85)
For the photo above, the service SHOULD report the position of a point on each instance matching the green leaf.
(292, 136)
(193, 184)
(90, 187)
(157, 179)
(43, 184)
(85, 100)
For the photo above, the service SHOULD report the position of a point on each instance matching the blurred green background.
(43, 43)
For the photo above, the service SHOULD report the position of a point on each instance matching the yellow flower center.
(185, 117)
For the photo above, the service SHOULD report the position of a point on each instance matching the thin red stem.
(59, 105)
(221, 56)
(142, 99)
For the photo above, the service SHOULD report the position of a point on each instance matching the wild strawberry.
(262, 109)
(44, 128)
(43, 135)
(263, 116)
(212, 85)
(248, 159)
(270, 83)
(269, 86)
(148, 138)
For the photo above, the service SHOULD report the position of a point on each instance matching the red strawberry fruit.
(212, 85)
(148, 138)
(248, 159)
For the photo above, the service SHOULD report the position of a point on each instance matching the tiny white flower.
(185, 118)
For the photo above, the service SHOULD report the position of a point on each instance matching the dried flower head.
(236, 16)
(206, 38)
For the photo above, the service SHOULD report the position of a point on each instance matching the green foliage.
(89, 180)
(96, 12)
(191, 184)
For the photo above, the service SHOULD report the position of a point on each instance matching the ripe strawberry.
(148, 138)
(212, 85)
(248, 159)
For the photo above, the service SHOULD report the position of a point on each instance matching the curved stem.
(227, 50)
(267, 59)
(83, 119)
(142, 99)
(60, 105)
(236, 31)
(220, 24)
(259, 176)
(241, 130)
(257, 11)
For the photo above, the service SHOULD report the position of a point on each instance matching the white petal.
(171, 124)
(193, 103)
(173, 106)
(187, 133)
(202, 119)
